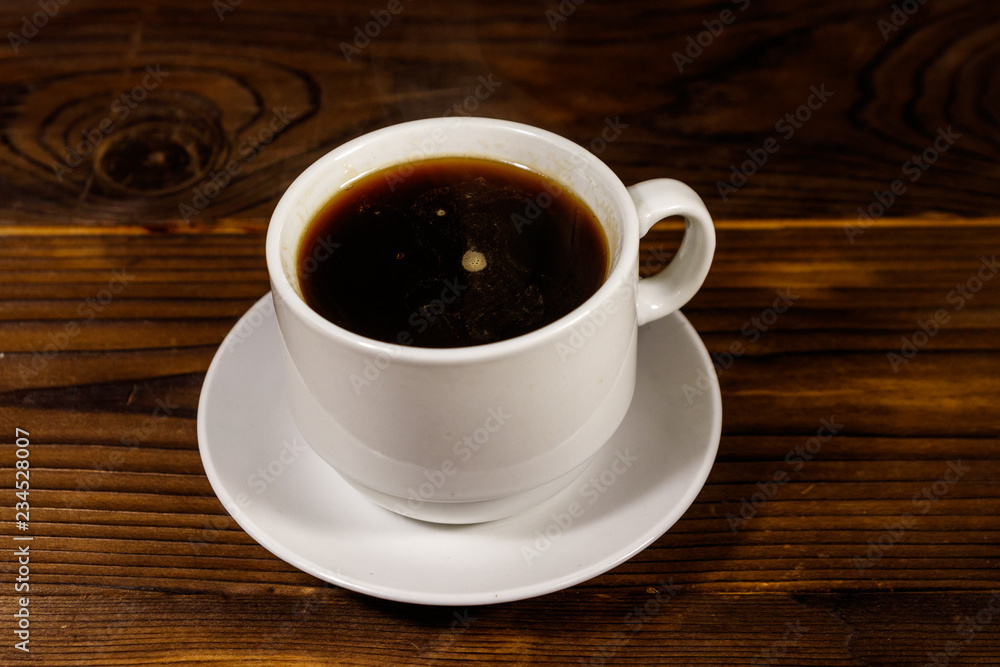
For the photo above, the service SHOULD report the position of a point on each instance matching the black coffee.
(451, 252)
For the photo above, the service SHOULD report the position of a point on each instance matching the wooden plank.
(884, 101)
(639, 623)
(782, 559)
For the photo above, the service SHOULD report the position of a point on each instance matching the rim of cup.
(318, 171)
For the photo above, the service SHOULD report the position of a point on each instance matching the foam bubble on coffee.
(473, 260)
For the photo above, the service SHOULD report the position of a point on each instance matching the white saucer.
(298, 508)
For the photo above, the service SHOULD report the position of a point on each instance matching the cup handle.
(662, 294)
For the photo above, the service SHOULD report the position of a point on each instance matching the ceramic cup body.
(477, 433)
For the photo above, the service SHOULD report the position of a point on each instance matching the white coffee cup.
(470, 434)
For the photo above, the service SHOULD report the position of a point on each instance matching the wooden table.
(122, 266)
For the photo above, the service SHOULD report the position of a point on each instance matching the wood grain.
(114, 520)
(114, 298)
(223, 80)
(323, 626)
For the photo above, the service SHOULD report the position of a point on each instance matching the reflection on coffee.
(451, 252)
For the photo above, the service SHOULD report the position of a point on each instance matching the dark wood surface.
(136, 562)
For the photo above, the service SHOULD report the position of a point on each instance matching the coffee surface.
(451, 252)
